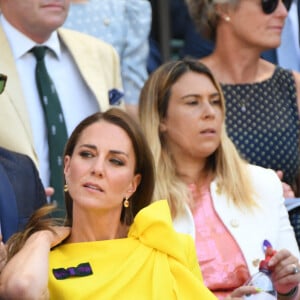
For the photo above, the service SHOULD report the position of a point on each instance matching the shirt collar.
(21, 44)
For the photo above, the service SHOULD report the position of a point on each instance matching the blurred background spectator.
(126, 25)
(173, 35)
(287, 54)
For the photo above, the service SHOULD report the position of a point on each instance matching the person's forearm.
(26, 275)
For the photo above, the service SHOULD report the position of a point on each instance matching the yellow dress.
(153, 262)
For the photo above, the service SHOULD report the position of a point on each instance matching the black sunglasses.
(268, 6)
(3, 79)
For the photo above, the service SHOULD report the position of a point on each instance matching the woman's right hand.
(241, 291)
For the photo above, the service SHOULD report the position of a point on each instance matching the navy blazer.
(21, 191)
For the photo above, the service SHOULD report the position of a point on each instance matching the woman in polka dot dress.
(262, 100)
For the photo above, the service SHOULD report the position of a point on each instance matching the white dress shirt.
(77, 101)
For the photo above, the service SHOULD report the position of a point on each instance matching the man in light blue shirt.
(125, 24)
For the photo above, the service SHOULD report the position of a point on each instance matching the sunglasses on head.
(268, 6)
(3, 79)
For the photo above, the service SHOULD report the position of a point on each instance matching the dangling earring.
(66, 188)
(125, 202)
(227, 18)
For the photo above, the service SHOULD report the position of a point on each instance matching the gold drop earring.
(66, 188)
(125, 202)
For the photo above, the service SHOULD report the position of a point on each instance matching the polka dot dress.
(262, 120)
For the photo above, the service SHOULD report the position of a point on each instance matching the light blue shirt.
(125, 24)
(288, 53)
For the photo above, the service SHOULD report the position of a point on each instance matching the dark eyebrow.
(88, 146)
(200, 96)
(215, 94)
(118, 152)
(93, 147)
(191, 95)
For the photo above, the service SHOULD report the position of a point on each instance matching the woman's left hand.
(285, 271)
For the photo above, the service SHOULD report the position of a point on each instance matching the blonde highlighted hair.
(224, 164)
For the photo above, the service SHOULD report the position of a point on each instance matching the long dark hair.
(142, 197)
(143, 156)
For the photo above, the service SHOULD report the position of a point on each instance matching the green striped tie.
(57, 133)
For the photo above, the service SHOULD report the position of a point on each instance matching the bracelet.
(289, 294)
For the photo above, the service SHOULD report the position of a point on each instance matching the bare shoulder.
(297, 78)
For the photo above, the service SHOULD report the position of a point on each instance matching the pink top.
(222, 263)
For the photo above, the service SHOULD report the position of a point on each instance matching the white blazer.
(269, 221)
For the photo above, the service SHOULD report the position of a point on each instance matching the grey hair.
(205, 16)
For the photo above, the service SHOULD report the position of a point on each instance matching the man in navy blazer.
(21, 191)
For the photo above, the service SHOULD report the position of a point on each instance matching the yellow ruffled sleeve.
(153, 227)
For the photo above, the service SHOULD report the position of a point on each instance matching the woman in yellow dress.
(117, 246)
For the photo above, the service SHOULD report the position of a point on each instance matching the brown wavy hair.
(41, 220)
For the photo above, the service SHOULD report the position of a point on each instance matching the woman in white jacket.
(229, 206)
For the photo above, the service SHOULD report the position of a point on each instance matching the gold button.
(234, 223)
(106, 21)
